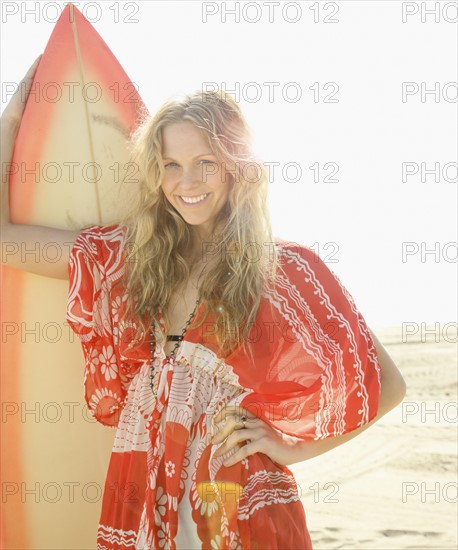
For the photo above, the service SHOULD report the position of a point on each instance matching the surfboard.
(72, 169)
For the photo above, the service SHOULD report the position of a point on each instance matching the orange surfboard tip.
(71, 8)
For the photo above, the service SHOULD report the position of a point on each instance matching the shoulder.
(97, 237)
(294, 252)
(102, 244)
(299, 261)
(105, 233)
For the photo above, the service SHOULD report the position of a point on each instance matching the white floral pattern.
(107, 362)
(161, 503)
(164, 536)
(162, 450)
(169, 468)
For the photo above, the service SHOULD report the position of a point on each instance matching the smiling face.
(193, 180)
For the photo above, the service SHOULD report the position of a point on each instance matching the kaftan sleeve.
(320, 375)
(93, 314)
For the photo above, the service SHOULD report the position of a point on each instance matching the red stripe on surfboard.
(12, 511)
(59, 65)
(123, 94)
(59, 60)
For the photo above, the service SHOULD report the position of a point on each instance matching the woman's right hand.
(9, 127)
(13, 112)
(15, 238)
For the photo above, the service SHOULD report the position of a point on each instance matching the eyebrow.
(198, 156)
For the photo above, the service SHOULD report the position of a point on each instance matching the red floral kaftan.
(315, 374)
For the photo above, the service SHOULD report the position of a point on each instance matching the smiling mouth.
(193, 200)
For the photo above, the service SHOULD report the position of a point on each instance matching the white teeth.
(194, 199)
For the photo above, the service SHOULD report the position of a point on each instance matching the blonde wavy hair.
(157, 236)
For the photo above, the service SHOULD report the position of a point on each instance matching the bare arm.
(33, 248)
(393, 390)
(37, 249)
(286, 449)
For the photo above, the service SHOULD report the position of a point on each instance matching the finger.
(243, 452)
(34, 64)
(22, 90)
(31, 71)
(237, 437)
(224, 431)
(232, 424)
(15, 108)
(233, 410)
(235, 423)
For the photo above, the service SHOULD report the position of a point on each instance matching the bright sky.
(333, 118)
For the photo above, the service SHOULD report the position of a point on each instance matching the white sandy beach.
(395, 485)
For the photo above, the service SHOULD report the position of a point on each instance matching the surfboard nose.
(71, 157)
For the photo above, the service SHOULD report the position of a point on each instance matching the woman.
(220, 354)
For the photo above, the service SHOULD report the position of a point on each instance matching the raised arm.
(25, 246)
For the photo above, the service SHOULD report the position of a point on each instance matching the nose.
(190, 177)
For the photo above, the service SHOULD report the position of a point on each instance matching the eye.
(170, 164)
(207, 161)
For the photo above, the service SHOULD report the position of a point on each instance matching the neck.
(200, 261)
(201, 245)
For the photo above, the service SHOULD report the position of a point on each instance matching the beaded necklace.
(172, 353)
